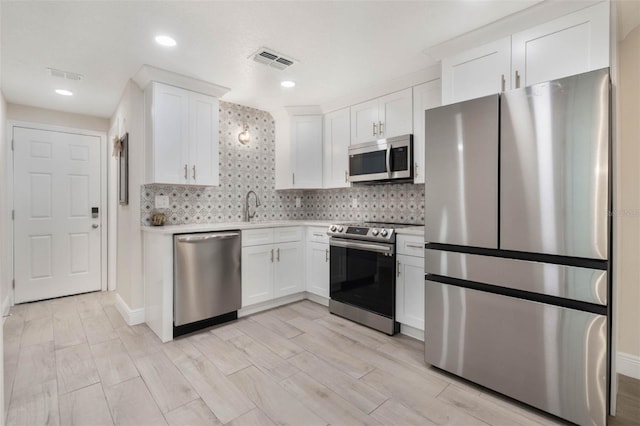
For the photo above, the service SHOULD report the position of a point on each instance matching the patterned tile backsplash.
(252, 167)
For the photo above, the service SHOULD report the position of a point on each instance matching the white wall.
(56, 118)
(5, 230)
(129, 117)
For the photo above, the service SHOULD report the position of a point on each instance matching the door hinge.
(13, 215)
(293, 178)
(11, 144)
(13, 284)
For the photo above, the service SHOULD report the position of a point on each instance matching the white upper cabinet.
(181, 136)
(425, 96)
(337, 136)
(571, 44)
(384, 117)
(306, 151)
(477, 72)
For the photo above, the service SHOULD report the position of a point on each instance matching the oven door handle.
(389, 160)
(378, 248)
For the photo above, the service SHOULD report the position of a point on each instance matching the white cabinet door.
(425, 96)
(337, 137)
(203, 152)
(477, 72)
(318, 269)
(289, 269)
(306, 151)
(395, 114)
(257, 274)
(410, 291)
(170, 117)
(572, 44)
(364, 122)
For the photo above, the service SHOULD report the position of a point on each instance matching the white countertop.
(207, 227)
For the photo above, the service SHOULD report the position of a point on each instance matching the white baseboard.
(259, 307)
(628, 365)
(130, 316)
(416, 333)
(318, 299)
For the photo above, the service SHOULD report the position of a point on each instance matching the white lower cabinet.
(410, 281)
(318, 269)
(270, 269)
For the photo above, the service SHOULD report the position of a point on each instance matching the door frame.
(104, 244)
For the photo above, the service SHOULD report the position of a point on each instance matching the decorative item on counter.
(158, 219)
(243, 136)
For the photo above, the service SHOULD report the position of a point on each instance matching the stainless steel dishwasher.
(206, 285)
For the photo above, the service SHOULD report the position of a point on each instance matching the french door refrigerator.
(517, 244)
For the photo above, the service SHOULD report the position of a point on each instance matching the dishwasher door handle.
(206, 237)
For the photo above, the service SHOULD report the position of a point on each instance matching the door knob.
(95, 225)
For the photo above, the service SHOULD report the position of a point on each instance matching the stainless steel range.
(363, 273)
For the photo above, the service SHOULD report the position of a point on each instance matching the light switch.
(298, 202)
(162, 201)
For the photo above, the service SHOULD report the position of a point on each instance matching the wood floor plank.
(216, 390)
(35, 405)
(113, 362)
(222, 354)
(274, 400)
(362, 335)
(86, 406)
(167, 385)
(271, 321)
(324, 402)
(280, 345)
(67, 330)
(227, 331)
(114, 317)
(329, 337)
(98, 328)
(195, 413)
(88, 305)
(404, 349)
(37, 331)
(254, 417)
(138, 342)
(131, 404)
(180, 350)
(75, 368)
(263, 358)
(360, 394)
(339, 359)
(393, 413)
(36, 365)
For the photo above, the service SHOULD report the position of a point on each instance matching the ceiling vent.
(272, 58)
(68, 75)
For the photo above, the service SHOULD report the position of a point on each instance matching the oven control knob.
(374, 232)
(340, 229)
(384, 233)
(333, 228)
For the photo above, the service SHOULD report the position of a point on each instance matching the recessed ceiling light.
(288, 83)
(64, 92)
(165, 40)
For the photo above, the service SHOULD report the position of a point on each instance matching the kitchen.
(280, 199)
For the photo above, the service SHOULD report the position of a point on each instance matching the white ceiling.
(342, 46)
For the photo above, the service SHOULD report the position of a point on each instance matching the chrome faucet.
(247, 215)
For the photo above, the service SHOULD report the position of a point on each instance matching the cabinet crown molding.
(303, 110)
(147, 73)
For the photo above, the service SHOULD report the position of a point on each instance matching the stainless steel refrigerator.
(517, 244)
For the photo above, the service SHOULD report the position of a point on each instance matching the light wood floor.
(74, 361)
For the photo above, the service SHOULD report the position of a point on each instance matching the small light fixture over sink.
(165, 40)
(64, 92)
(243, 136)
(288, 84)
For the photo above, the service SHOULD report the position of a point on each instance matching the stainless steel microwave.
(383, 160)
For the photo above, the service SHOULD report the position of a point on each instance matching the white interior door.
(56, 241)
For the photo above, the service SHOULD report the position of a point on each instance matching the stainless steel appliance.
(207, 285)
(383, 160)
(363, 274)
(517, 244)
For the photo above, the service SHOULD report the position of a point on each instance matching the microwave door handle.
(389, 160)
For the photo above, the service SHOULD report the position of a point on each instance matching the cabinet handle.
(381, 128)
(415, 170)
(193, 169)
(397, 268)
(375, 129)
(326, 255)
(346, 176)
(315, 234)
(293, 178)
(186, 176)
(278, 255)
(414, 246)
(503, 83)
(271, 255)
(517, 79)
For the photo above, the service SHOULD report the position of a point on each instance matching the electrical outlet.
(298, 202)
(354, 203)
(162, 201)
